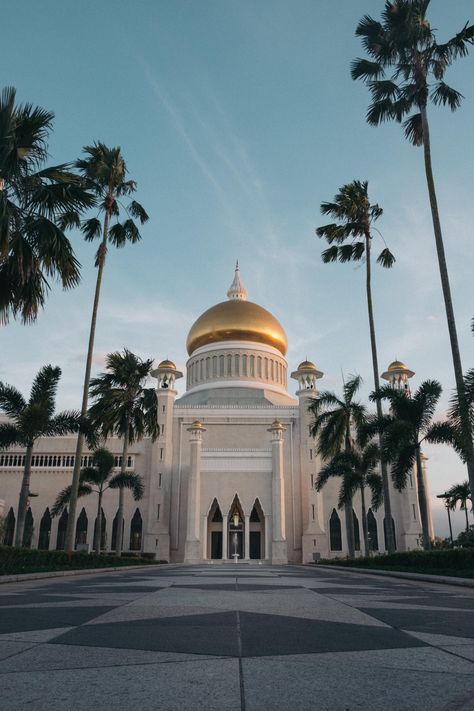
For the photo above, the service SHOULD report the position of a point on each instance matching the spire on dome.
(237, 290)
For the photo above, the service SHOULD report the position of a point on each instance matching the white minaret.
(398, 376)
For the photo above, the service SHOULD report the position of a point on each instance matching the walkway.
(233, 637)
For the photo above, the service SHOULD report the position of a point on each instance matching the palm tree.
(334, 419)
(358, 471)
(460, 494)
(28, 421)
(124, 407)
(447, 505)
(403, 430)
(104, 172)
(101, 477)
(404, 46)
(37, 205)
(351, 240)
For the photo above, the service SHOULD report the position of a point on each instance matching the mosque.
(232, 473)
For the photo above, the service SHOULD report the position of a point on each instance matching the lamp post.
(446, 498)
(235, 521)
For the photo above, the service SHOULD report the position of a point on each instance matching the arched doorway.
(214, 531)
(45, 531)
(335, 536)
(62, 527)
(28, 529)
(103, 538)
(9, 528)
(257, 532)
(356, 532)
(372, 531)
(136, 531)
(235, 540)
(81, 528)
(114, 532)
(385, 533)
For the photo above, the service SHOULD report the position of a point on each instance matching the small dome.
(167, 364)
(397, 365)
(307, 365)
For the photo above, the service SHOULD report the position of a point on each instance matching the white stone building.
(232, 472)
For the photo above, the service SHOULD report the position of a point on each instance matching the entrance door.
(216, 544)
(255, 545)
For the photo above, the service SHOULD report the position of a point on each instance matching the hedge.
(450, 561)
(29, 560)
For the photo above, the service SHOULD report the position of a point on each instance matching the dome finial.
(237, 290)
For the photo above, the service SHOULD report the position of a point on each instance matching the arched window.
(272, 372)
(208, 367)
(136, 531)
(114, 532)
(254, 515)
(9, 528)
(266, 367)
(229, 365)
(372, 531)
(335, 538)
(103, 539)
(356, 531)
(62, 526)
(252, 366)
(81, 528)
(214, 366)
(45, 531)
(221, 365)
(237, 364)
(259, 366)
(385, 533)
(28, 529)
(244, 365)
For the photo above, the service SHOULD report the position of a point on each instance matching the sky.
(237, 118)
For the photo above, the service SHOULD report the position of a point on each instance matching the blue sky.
(237, 119)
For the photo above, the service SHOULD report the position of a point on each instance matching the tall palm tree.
(102, 478)
(104, 172)
(405, 72)
(460, 494)
(30, 420)
(37, 205)
(124, 407)
(333, 424)
(357, 468)
(404, 429)
(351, 240)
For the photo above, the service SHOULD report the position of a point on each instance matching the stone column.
(192, 548)
(267, 539)
(247, 537)
(279, 544)
(225, 536)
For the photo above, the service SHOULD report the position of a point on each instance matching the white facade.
(232, 471)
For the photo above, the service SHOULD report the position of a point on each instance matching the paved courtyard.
(235, 637)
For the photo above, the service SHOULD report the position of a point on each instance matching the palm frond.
(366, 70)
(64, 497)
(9, 435)
(138, 211)
(128, 480)
(12, 402)
(386, 258)
(444, 94)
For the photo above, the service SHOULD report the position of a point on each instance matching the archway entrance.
(235, 540)
(257, 533)
(214, 532)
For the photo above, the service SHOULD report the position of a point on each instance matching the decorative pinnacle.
(237, 291)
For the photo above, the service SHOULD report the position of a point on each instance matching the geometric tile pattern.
(236, 637)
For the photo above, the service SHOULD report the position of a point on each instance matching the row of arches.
(234, 534)
(235, 365)
(335, 531)
(82, 530)
(55, 460)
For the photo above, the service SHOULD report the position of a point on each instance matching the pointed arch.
(114, 531)
(103, 537)
(335, 535)
(45, 531)
(28, 529)
(372, 531)
(136, 529)
(62, 527)
(215, 524)
(385, 533)
(81, 528)
(9, 533)
(235, 533)
(356, 531)
(256, 537)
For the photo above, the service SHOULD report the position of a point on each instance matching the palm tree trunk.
(422, 501)
(450, 526)
(443, 270)
(375, 365)
(98, 531)
(123, 467)
(85, 392)
(365, 532)
(23, 500)
(467, 520)
(348, 513)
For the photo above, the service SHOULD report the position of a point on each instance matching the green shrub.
(452, 561)
(28, 560)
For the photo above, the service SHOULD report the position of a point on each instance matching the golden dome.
(167, 364)
(307, 365)
(397, 365)
(237, 320)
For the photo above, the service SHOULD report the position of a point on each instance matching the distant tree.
(357, 469)
(37, 205)
(123, 406)
(334, 420)
(30, 420)
(97, 479)
(350, 240)
(460, 494)
(405, 71)
(104, 172)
